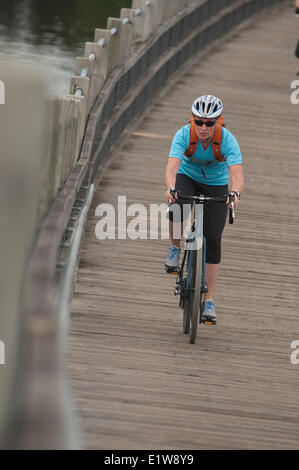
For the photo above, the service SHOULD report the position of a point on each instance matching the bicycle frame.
(195, 239)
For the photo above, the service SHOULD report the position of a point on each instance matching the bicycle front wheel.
(187, 305)
(196, 294)
(188, 291)
(193, 293)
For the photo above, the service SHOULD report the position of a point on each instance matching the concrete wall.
(22, 137)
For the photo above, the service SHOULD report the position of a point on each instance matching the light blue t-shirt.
(206, 169)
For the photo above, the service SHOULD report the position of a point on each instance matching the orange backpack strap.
(193, 139)
(216, 142)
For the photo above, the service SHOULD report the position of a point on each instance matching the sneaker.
(208, 315)
(172, 262)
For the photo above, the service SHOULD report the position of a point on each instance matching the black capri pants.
(215, 213)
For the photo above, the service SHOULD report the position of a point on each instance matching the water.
(52, 33)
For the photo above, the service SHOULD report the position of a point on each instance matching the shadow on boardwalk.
(138, 383)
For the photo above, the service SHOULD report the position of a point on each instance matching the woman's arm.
(237, 179)
(172, 167)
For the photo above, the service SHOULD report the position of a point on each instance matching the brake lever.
(173, 192)
(232, 207)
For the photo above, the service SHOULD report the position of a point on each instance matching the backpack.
(216, 140)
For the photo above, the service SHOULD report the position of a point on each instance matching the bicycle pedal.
(172, 270)
(208, 322)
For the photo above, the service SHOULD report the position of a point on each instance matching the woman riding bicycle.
(203, 173)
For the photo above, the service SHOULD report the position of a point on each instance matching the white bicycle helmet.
(207, 106)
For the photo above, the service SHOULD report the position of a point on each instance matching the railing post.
(123, 34)
(84, 65)
(85, 69)
(67, 133)
(80, 86)
(135, 17)
(99, 53)
(169, 9)
(151, 15)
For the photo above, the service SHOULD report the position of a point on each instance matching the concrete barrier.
(22, 132)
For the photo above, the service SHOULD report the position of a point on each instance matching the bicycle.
(190, 283)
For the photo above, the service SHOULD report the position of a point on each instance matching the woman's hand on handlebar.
(170, 198)
(235, 199)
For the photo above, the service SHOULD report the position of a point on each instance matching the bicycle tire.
(186, 317)
(187, 304)
(197, 294)
(193, 299)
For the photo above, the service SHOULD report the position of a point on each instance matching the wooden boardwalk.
(137, 382)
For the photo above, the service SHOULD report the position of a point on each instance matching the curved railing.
(121, 71)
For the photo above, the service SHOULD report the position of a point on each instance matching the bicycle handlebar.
(201, 199)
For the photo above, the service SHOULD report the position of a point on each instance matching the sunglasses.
(201, 123)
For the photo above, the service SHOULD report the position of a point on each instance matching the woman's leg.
(176, 222)
(212, 271)
(215, 214)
